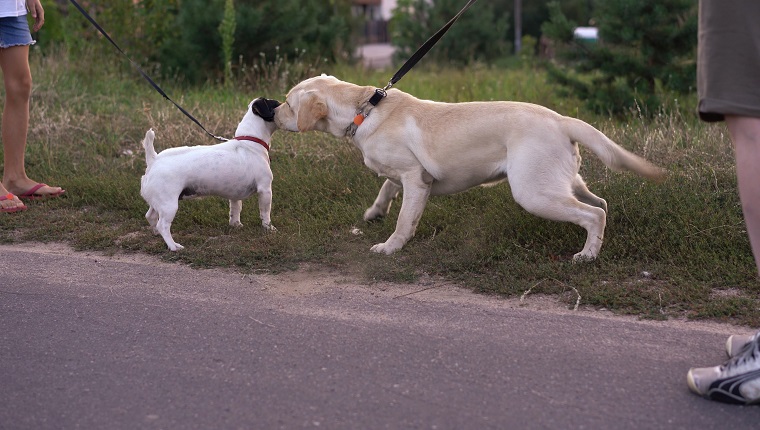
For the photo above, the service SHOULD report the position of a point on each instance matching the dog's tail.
(612, 155)
(150, 152)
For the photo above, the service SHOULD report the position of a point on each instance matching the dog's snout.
(285, 116)
(264, 108)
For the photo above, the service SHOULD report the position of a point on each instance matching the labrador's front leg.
(416, 193)
(382, 203)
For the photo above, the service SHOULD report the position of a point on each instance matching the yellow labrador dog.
(431, 148)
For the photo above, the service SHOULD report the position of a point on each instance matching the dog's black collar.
(363, 111)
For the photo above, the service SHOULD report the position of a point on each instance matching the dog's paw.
(236, 224)
(373, 214)
(384, 248)
(583, 258)
(269, 228)
(176, 247)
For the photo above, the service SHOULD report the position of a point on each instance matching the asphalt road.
(95, 342)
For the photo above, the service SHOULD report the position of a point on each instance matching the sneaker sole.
(692, 385)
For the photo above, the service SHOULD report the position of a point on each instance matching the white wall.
(386, 8)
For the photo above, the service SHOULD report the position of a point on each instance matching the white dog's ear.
(311, 110)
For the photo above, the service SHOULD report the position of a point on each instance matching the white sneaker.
(735, 343)
(736, 381)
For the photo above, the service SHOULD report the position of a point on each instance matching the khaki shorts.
(728, 59)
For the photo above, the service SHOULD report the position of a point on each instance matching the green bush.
(645, 47)
(310, 29)
(183, 38)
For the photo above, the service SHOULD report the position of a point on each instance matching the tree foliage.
(484, 33)
(480, 34)
(227, 31)
(645, 47)
(185, 36)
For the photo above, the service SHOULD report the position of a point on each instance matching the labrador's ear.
(311, 110)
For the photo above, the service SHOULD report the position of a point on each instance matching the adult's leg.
(9, 203)
(738, 380)
(17, 78)
(745, 133)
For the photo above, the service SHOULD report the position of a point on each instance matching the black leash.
(417, 56)
(380, 93)
(145, 75)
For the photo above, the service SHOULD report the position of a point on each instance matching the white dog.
(430, 148)
(235, 170)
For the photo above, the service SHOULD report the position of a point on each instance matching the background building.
(375, 48)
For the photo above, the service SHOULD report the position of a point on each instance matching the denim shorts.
(14, 31)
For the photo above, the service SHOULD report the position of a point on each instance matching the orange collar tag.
(358, 119)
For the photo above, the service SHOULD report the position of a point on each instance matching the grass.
(671, 250)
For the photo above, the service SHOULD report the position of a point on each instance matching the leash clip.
(379, 95)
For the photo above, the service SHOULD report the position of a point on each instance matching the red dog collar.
(253, 139)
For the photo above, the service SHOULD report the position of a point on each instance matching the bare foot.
(33, 190)
(9, 202)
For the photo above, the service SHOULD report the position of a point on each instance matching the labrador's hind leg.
(582, 193)
(558, 207)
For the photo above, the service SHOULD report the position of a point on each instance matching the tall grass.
(673, 249)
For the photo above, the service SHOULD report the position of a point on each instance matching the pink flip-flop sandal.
(30, 194)
(17, 208)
